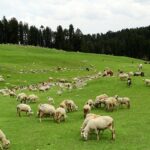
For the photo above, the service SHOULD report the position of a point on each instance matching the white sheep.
(45, 110)
(147, 81)
(71, 106)
(123, 101)
(4, 140)
(32, 98)
(60, 114)
(22, 97)
(86, 109)
(100, 100)
(97, 124)
(123, 76)
(86, 120)
(110, 103)
(25, 108)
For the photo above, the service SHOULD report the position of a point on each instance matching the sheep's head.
(30, 113)
(84, 134)
(5, 143)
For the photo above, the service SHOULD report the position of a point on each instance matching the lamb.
(97, 124)
(86, 120)
(4, 140)
(22, 97)
(123, 101)
(86, 109)
(24, 107)
(45, 110)
(147, 81)
(60, 114)
(32, 98)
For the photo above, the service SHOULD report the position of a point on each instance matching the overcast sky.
(91, 16)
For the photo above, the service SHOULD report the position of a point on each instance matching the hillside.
(25, 65)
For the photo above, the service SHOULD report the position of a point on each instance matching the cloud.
(91, 16)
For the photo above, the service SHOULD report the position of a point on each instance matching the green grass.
(27, 133)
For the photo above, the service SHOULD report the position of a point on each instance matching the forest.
(134, 42)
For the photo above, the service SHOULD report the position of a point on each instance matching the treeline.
(128, 42)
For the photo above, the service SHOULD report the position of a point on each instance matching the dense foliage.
(128, 42)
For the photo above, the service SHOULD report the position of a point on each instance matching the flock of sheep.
(92, 122)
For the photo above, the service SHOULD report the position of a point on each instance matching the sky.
(90, 16)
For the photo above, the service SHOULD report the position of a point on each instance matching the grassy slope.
(26, 133)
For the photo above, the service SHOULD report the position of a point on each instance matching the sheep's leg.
(97, 134)
(112, 131)
(40, 115)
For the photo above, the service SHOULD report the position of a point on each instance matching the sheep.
(32, 98)
(88, 117)
(123, 101)
(24, 107)
(110, 103)
(4, 140)
(123, 76)
(140, 66)
(12, 93)
(71, 106)
(60, 114)
(86, 109)
(50, 100)
(100, 100)
(147, 81)
(90, 102)
(97, 124)
(45, 110)
(68, 105)
(22, 97)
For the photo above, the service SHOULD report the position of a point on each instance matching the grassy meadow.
(17, 66)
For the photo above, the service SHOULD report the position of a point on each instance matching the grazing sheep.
(100, 100)
(97, 124)
(24, 107)
(12, 93)
(68, 105)
(86, 109)
(88, 117)
(32, 98)
(147, 81)
(60, 114)
(45, 110)
(123, 76)
(4, 140)
(22, 97)
(123, 101)
(71, 106)
(110, 103)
